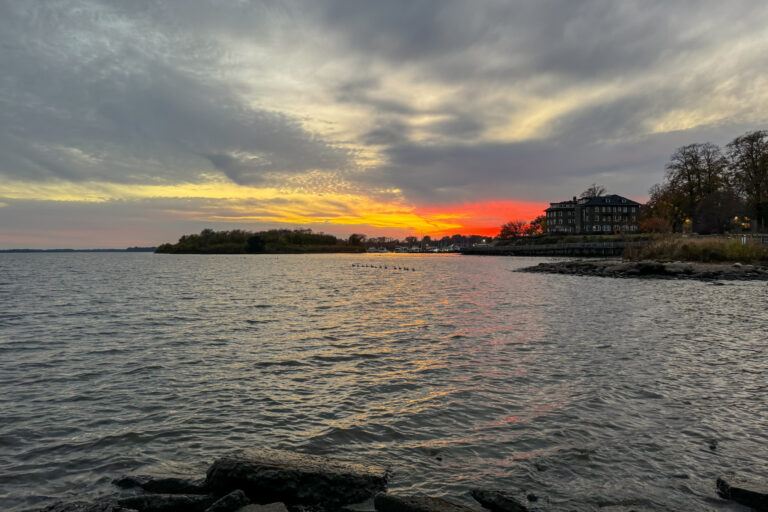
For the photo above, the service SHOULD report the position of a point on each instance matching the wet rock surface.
(653, 269)
(294, 478)
(270, 507)
(249, 481)
(230, 503)
(395, 503)
(168, 502)
(162, 485)
(499, 501)
(86, 507)
(746, 492)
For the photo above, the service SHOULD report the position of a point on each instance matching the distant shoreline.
(129, 249)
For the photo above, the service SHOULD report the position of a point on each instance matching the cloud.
(417, 103)
(117, 100)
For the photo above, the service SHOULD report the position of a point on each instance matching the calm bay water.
(461, 374)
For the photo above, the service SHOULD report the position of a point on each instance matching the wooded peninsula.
(274, 241)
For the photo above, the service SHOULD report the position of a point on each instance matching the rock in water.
(751, 494)
(394, 503)
(168, 502)
(86, 507)
(162, 485)
(498, 501)
(232, 502)
(268, 476)
(272, 507)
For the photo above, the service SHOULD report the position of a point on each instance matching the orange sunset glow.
(480, 218)
(159, 126)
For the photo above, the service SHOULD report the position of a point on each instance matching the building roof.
(610, 199)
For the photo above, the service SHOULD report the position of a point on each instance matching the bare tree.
(748, 157)
(696, 171)
(513, 229)
(537, 226)
(594, 190)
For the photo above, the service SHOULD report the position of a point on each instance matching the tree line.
(277, 241)
(239, 241)
(709, 189)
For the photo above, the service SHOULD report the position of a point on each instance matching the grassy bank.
(706, 250)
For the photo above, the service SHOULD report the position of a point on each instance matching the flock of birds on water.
(385, 267)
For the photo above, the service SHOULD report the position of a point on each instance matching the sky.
(128, 123)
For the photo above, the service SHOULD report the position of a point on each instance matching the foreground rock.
(394, 503)
(86, 507)
(498, 501)
(653, 269)
(271, 507)
(162, 485)
(269, 476)
(751, 494)
(232, 502)
(168, 502)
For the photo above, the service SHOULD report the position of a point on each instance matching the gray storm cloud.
(90, 92)
(139, 92)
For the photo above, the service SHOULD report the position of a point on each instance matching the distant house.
(593, 215)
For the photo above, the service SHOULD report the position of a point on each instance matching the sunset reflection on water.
(460, 374)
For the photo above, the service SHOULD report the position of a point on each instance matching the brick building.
(593, 215)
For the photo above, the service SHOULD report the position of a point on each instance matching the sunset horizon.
(135, 124)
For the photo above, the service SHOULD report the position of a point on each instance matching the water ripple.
(592, 392)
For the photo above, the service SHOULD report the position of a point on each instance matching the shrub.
(706, 250)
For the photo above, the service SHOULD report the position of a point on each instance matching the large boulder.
(271, 507)
(232, 502)
(163, 485)
(80, 506)
(498, 501)
(268, 476)
(168, 502)
(751, 494)
(395, 503)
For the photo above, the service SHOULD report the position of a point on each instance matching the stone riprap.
(653, 269)
(749, 493)
(235, 500)
(80, 506)
(295, 478)
(281, 481)
(498, 501)
(270, 507)
(164, 485)
(395, 503)
(168, 502)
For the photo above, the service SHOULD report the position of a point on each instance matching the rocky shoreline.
(282, 481)
(654, 270)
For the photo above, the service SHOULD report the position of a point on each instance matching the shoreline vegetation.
(721, 249)
(275, 241)
(675, 257)
(663, 248)
(302, 241)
